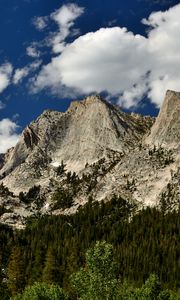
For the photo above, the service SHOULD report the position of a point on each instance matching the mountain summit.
(93, 150)
(166, 130)
(88, 131)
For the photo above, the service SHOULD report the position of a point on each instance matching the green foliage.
(151, 290)
(60, 169)
(6, 240)
(53, 247)
(51, 267)
(98, 279)
(4, 191)
(99, 169)
(3, 210)
(33, 195)
(73, 181)
(41, 291)
(162, 155)
(15, 271)
(168, 198)
(148, 244)
(62, 198)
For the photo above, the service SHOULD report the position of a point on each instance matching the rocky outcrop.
(86, 132)
(2, 156)
(111, 152)
(30, 137)
(166, 130)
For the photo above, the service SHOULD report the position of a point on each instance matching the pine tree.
(15, 271)
(50, 271)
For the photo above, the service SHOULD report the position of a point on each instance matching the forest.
(52, 253)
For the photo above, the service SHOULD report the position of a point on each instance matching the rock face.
(89, 130)
(112, 153)
(1, 160)
(166, 130)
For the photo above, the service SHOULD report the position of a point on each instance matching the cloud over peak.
(126, 65)
(8, 134)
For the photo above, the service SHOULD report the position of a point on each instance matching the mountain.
(88, 131)
(166, 130)
(1, 159)
(93, 150)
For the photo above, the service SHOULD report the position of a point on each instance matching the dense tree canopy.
(52, 248)
(99, 280)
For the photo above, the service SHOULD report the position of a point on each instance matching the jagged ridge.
(111, 151)
(88, 131)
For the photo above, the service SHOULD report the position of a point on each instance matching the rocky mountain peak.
(94, 99)
(171, 103)
(166, 129)
(110, 151)
(171, 93)
(88, 131)
(85, 103)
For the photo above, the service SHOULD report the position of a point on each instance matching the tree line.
(99, 280)
(52, 248)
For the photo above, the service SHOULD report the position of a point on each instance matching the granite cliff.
(107, 151)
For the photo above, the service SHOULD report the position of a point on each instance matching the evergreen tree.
(50, 271)
(15, 271)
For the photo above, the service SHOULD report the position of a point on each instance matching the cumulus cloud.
(20, 74)
(8, 134)
(115, 60)
(131, 97)
(64, 17)
(97, 62)
(5, 76)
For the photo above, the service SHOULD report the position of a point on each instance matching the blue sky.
(54, 51)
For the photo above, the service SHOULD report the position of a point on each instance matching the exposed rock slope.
(166, 130)
(89, 130)
(112, 153)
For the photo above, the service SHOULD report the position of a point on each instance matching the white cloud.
(5, 76)
(20, 74)
(32, 51)
(164, 47)
(125, 65)
(8, 134)
(131, 97)
(40, 22)
(64, 17)
(98, 61)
